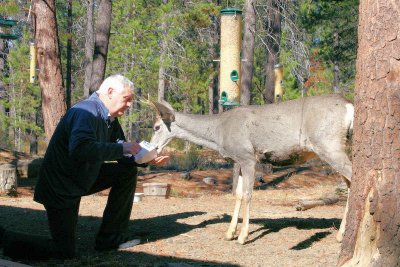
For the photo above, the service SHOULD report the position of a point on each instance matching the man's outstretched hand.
(159, 161)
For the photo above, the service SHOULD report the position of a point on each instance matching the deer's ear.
(166, 111)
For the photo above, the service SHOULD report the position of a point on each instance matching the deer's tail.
(349, 119)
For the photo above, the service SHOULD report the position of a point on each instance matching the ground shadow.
(275, 225)
(148, 230)
(291, 170)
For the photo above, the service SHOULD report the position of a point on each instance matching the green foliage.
(23, 101)
(9, 8)
(332, 28)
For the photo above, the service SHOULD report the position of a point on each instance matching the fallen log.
(8, 179)
(308, 204)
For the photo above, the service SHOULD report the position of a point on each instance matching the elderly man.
(74, 166)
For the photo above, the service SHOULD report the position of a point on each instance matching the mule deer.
(319, 124)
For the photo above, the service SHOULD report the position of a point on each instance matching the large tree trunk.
(89, 48)
(50, 74)
(273, 27)
(103, 26)
(248, 52)
(372, 236)
(68, 79)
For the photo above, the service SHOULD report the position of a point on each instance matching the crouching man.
(74, 166)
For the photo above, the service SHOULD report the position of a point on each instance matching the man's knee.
(128, 173)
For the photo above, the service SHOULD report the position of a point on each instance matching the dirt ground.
(188, 227)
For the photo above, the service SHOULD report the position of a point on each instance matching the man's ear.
(109, 92)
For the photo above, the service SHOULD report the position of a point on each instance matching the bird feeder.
(32, 67)
(278, 70)
(6, 29)
(231, 41)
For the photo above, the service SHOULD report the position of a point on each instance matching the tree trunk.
(50, 74)
(137, 107)
(89, 48)
(372, 236)
(69, 55)
(273, 27)
(8, 179)
(213, 95)
(248, 52)
(163, 48)
(336, 78)
(103, 26)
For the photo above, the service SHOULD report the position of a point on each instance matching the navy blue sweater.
(82, 141)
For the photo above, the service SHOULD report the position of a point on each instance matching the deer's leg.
(339, 235)
(248, 172)
(341, 163)
(239, 197)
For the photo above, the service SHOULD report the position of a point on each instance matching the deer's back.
(283, 128)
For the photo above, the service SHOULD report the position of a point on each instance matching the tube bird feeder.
(278, 70)
(32, 68)
(6, 29)
(231, 41)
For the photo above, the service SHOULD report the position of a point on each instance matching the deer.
(319, 124)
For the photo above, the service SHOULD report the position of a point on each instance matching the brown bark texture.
(273, 27)
(49, 64)
(248, 52)
(103, 26)
(89, 47)
(372, 232)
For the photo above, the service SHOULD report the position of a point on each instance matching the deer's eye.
(156, 127)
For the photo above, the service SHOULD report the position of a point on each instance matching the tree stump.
(8, 179)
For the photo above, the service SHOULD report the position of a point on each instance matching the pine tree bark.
(103, 26)
(68, 80)
(49, 64)
(248, 52)
(89, 48)
(273, 26)
(372, 236)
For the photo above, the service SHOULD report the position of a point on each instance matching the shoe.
(106, 242)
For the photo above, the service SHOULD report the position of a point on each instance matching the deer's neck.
(198, 129)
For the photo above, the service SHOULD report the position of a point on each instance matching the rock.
(185, 175)
(211, 180)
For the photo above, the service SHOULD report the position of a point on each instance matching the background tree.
(249, 33)
(272, 26)
(372, 233)
(103, 26)
(89, 47)
(50, 73)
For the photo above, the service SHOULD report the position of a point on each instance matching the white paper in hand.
(146, 154)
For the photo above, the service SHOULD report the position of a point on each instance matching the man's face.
(119, 101)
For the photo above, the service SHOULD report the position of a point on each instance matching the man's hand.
(158, 161)
(131, 148)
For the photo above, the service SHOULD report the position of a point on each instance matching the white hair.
(117, 82)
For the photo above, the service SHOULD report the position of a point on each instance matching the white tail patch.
(349, 115)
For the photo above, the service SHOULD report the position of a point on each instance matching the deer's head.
(164, 115)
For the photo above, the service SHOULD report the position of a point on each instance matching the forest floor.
(188, 227)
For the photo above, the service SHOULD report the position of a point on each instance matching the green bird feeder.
(6, 29)
(231, 41)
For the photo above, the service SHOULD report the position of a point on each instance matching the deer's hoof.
(241, 240)
(339, 237)
(229, 236)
